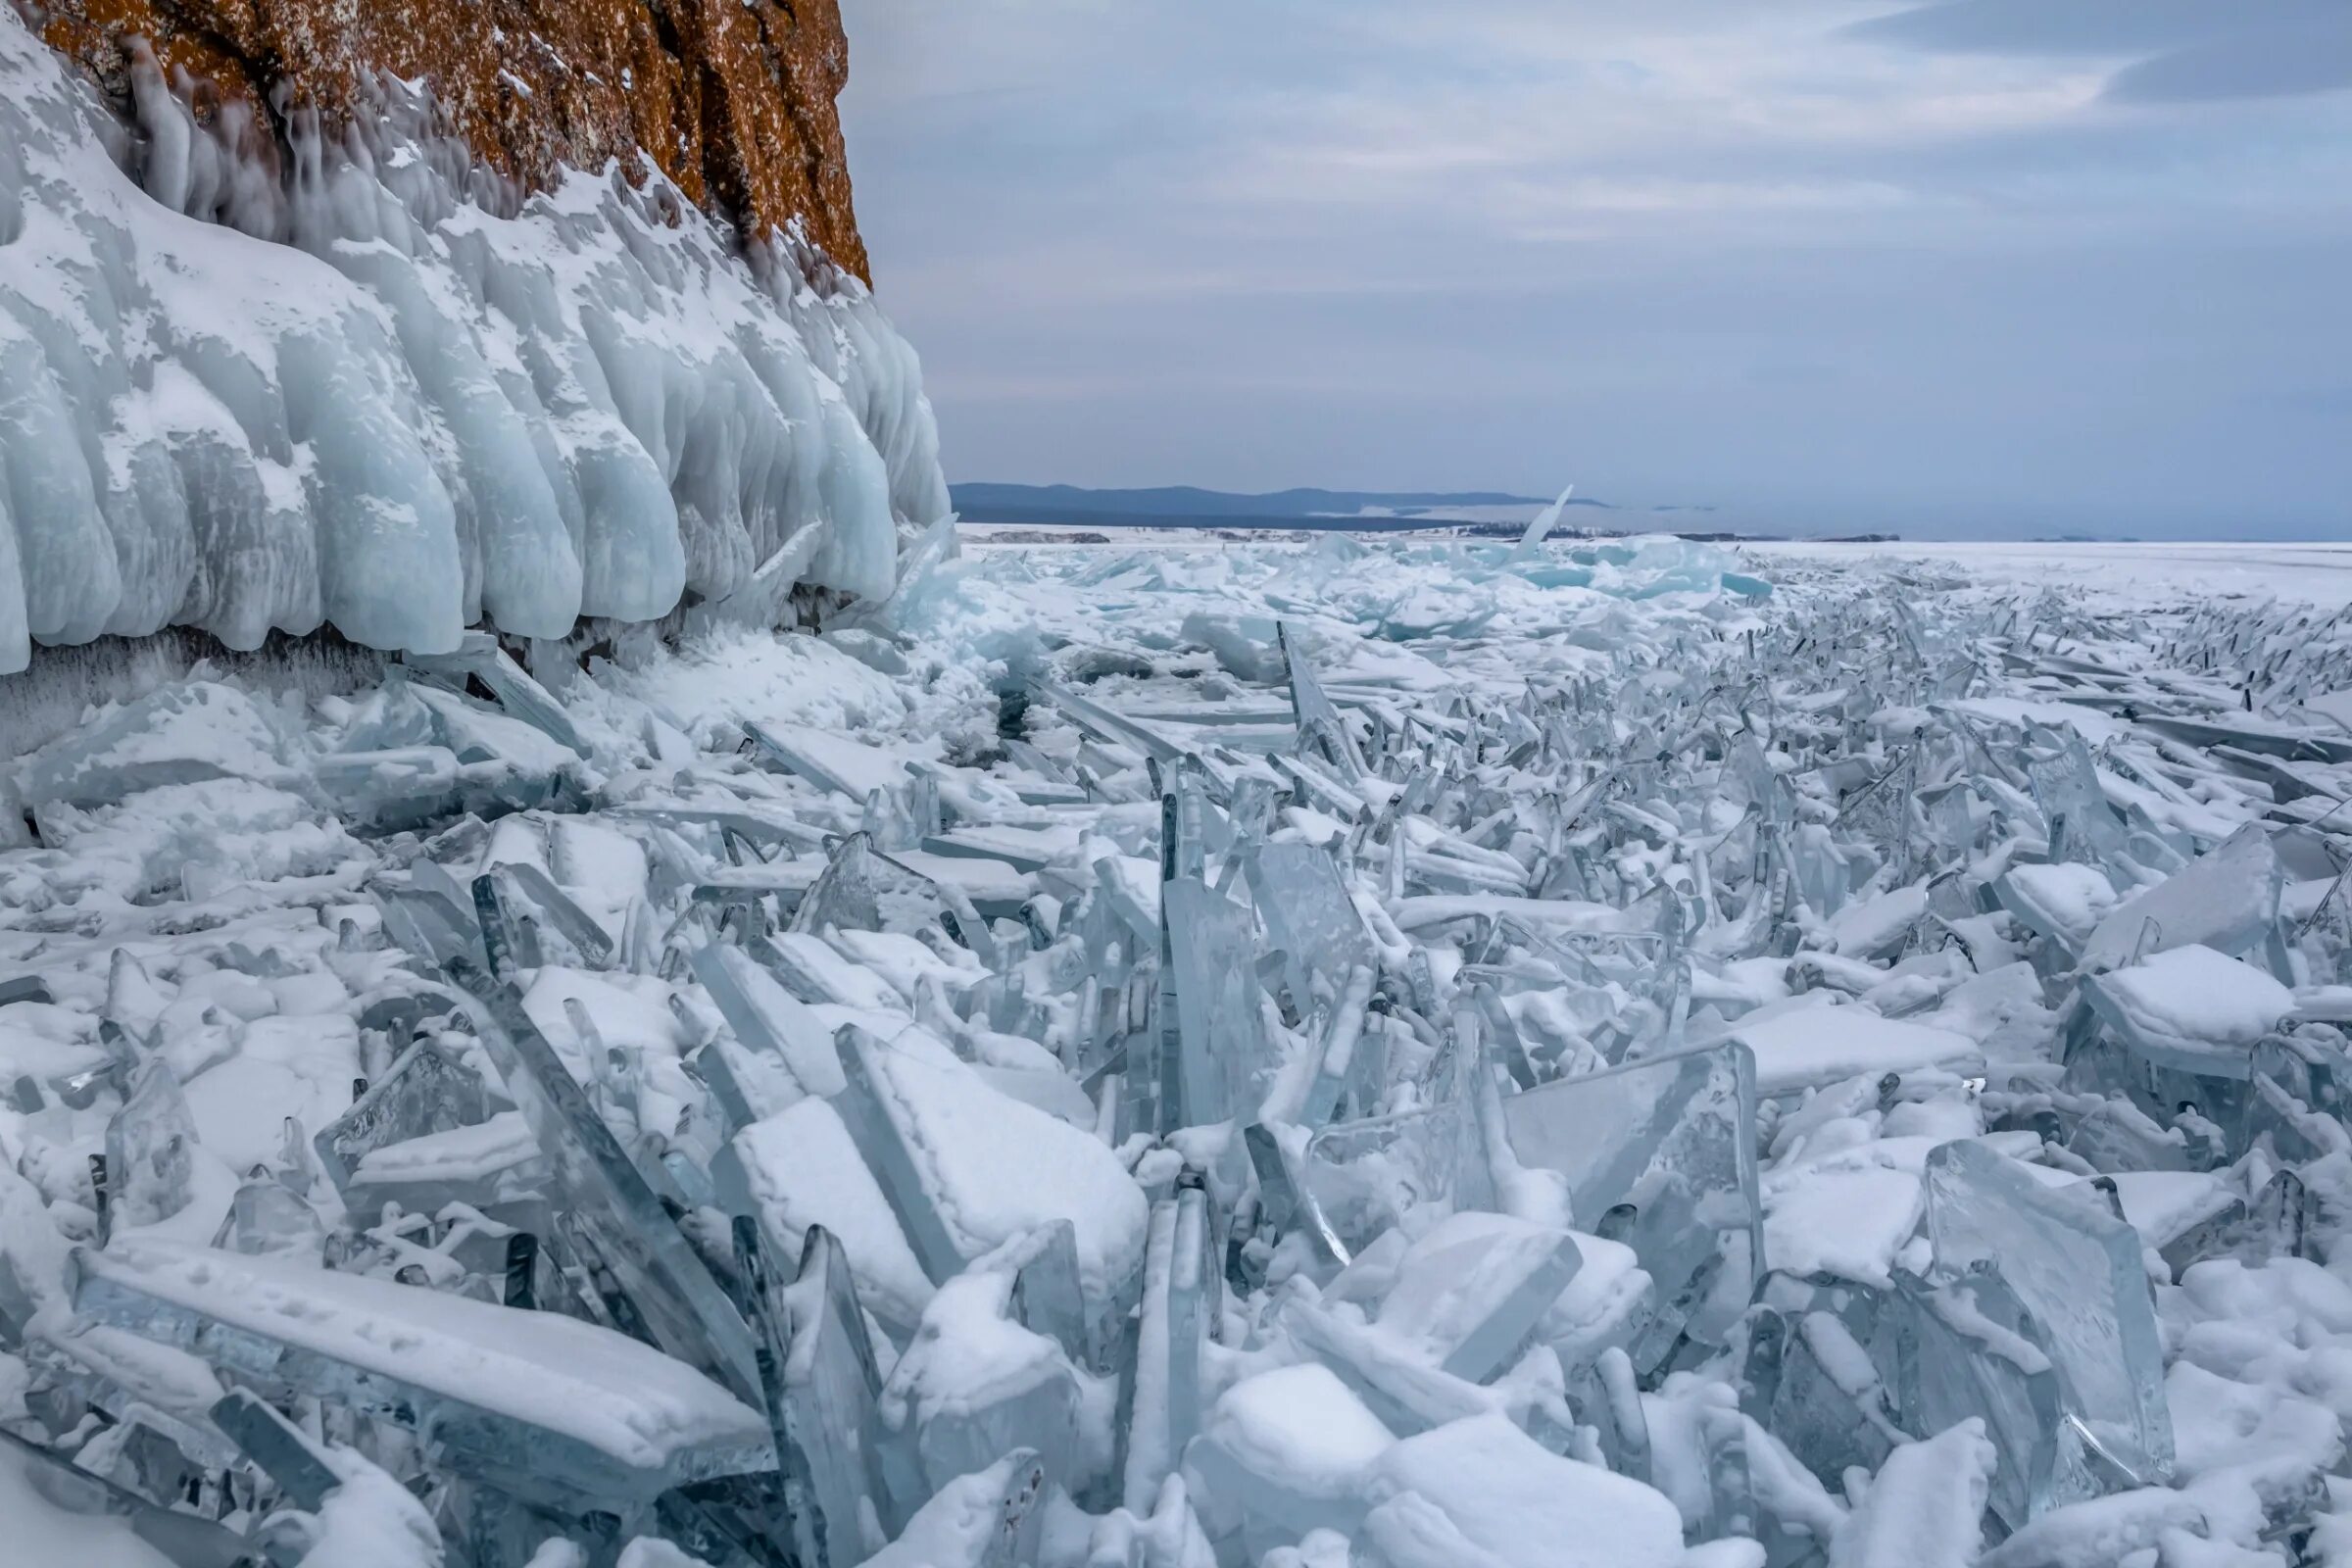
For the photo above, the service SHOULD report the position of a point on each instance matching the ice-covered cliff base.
(388, 395)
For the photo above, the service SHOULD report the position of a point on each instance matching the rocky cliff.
(733, 99)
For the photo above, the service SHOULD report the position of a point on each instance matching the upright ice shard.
(974, 1385)
(1221, 1037)
(2075, 1267)
(672, 1289)
(2066, 786)
(1320, 726)
(1470, 1292)
(2227, 899)
(868, 1109)
(150, 1150)
(1310, 918)
(1361, 1177)
(1658, 1153)
(847, 1481)
(265, 1218)
(1179, 1309)
(865, 890)
(427, 1089)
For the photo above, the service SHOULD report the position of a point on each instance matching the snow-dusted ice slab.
(544, 1405)
(1801, 1046)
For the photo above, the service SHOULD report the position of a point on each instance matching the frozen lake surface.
(1162, 1053)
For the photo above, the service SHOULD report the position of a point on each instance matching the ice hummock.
(1383, 1054)
(416, 403)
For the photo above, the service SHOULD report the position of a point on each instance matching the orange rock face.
(733, 99)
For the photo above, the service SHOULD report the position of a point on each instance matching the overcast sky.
(2003, 267)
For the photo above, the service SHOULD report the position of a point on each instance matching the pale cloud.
(1829, 260)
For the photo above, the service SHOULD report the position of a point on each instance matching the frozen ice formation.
(1350, 1055)
(420, 403)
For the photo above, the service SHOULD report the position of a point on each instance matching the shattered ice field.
(1358, 1054)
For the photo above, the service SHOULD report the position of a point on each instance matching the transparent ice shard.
(1108, 724)
(1764, 786)
(1969, 1349)
(150, 1150)
(284, 1451)
(178, 1537)
(1280, 1454)
(865, 1108)
(1809, 1373)
(862, 889)
(1309, 918)
(1605, 1397)
(183, 733)
(433, 927)
(479, 656)
(681, 1304)
(487, 1165)
(504, 760)
(1660, 1154)
(1531, 543)
(973, 1385)
(427, 1089)
(1343, 1060)
(2189, 1019)
(1048, 1297)
(845, 1479)
(550, 1410)
(1883, 815)
(267, 1219)
(1847, 1376)
(771, 1025)
(2299, 1099)
(1399, 1385)
(2227, 899)
(2074, 1268)
(1221, 1037)
(1179, 1309)
(1320, 726)
(1925, 1507)
(528, 888)
(832, 762)
(2066, 786)
(1361, 1177)
(1470, 1292)
(814, 973)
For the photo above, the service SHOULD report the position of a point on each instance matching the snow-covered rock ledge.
(417, 414)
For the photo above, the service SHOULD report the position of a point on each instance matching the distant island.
(1477, 511)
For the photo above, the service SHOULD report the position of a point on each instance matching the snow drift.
(392, 396)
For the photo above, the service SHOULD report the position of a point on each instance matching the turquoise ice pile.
(1321, 1054)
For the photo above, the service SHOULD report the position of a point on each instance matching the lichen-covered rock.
(733, 99)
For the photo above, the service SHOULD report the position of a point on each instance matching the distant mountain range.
(1189, 507)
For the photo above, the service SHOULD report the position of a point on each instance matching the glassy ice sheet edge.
(1354, 1054)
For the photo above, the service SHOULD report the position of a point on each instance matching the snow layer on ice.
(622, 1396)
